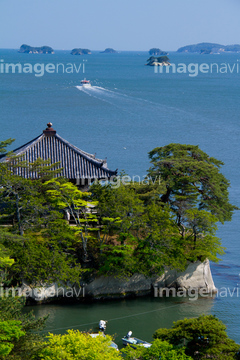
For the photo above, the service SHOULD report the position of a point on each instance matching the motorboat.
(134, 342)
(86, 83)
(112, 344)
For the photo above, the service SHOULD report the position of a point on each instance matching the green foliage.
(77, 345)
(4, 145)
(197, 194)
(121, 228)
(40, 263)
(5, 260)
(159, 350)
(200, 239)
(64, 195)
(9, 331)
(18, 331)
(191, 179)
(205, 337)
(161, 245)
(118, 260)
(23, 200)
(118, 202)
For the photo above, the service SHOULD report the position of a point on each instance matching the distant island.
(35, 50)
(158, 61)
(80, 52)
(157, 52)
(209, 48)
(108, 51)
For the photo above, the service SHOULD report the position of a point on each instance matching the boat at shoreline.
(85, 83)
(112, 344)
(134, 342)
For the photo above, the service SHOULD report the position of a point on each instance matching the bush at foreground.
(76, 345)
(205, 338)
(159, 350)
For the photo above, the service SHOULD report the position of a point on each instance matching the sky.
(121, 24)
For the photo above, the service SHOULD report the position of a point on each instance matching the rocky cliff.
(196, 278)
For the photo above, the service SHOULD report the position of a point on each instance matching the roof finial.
(49, 130)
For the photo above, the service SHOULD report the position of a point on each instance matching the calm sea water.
(129, 111)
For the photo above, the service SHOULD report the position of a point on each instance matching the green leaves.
(5, 144)
(205, 336)
(18, 331)
(76, 345)
(159, 350)
(191, 178)
(197, 194)
(9, 331)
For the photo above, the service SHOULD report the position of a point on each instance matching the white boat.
(133, 341)
(86, 83)
(113, 345)
(102, 325)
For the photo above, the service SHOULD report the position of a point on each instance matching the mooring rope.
(119, 318)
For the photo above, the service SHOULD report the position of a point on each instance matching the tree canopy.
(205, 338)
(118, 229)
(76, 345)
(192, 179)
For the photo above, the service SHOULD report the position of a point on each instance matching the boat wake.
(127, 103)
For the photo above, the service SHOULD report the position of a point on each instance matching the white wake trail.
(143, 107)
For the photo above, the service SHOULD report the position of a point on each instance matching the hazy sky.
(121, 24)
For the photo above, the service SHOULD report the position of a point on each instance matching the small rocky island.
(80, 52)
(209, 48)
(27, 49)
(158, 61)
(108, 51)
(157, 52)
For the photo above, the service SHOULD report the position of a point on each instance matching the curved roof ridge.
(86, 155)
(24, 147)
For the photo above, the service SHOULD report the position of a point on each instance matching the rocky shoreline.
(196, 278)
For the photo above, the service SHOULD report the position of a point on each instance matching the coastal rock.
(197, 276)
(155, 63)
(45, 293)
(158, 61)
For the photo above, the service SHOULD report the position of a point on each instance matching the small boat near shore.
(133, 341)
(102, 325)
(85, 83)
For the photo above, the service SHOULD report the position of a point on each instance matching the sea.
(129, 110)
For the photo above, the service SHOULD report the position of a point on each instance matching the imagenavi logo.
(40, 69)
(194, 69)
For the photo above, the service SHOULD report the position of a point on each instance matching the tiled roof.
(75, 163)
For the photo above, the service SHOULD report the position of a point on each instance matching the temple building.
(76, 165)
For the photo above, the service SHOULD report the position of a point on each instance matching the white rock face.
(48, 292)
(196, 277)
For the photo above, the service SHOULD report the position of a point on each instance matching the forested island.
(157, 52)
(80, 51)
(209, 48)
(158, 61)
(35, 50)
(109, 51)
(118, 229)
